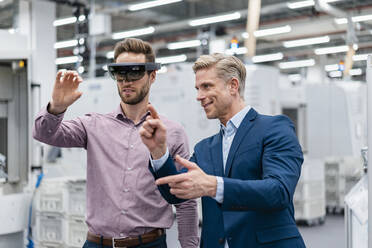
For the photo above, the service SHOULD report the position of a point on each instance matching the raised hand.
(192, 184)
(65, 91)
(154, 134)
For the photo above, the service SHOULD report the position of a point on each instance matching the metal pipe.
(369, 132)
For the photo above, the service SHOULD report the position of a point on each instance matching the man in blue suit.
(246, 174)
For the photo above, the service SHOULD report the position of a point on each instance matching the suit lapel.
(216, 154)
(242, 131)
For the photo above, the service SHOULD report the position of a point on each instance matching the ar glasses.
(130, 72)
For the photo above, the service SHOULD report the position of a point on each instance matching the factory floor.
(329, 235)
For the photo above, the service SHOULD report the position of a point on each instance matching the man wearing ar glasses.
(124, 206)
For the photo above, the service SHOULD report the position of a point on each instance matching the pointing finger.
(153, 112)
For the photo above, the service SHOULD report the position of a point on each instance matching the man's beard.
(137, 99)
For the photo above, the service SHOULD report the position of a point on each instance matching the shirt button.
(49, 131)
(123, 212)
(126, 190)
(121, 234)
(131, 146)
(129, 168)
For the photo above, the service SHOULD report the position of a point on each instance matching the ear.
(152, 76)
(234, 86)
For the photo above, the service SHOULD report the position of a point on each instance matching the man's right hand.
(65, 91)
(154, 134)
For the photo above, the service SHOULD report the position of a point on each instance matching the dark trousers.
(159, 243)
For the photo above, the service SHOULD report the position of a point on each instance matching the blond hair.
(226, 67)
(132, 45)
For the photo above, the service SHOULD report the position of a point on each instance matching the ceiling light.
(328, 50)
(272, 31)
(294, 77)
(110, 55)
(133, 33)
(150, 4)
(306, 42)
(297, 64)
(306, 3)
(360, 57)
(66, 43)
(267, 57)
(67, 60)
(300, 4)
(332, 67)
(215, 19)
(362, 18)
(355, 72)
(163, 69)
(184, 44)
(239, 50)
(334, 74)
(64, 21)
(172, 59)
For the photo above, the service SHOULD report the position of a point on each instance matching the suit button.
(221, 240)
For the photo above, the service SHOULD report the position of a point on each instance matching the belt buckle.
(113, 244)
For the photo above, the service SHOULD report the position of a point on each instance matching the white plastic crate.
(50, 228)
(62, 195)
(77, 199)
(48, 245)
(309, 210)
(312, 170)
(309, 190)
(77, 232)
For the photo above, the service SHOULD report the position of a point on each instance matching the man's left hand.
(192, 184)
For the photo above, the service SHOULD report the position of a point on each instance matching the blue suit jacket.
(262, 170)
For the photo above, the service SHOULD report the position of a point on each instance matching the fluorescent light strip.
(360, 57)
(297, 64)
(110, 55)
(240, 50)
(67, 60)
(300, 4)
(64, 21)
(355, 72)
(306, 42)
(333, 67)
(294, 77)
(334, 74)
(273, 31)
(267, 57)
(133, 33)
(306, 3)
(184, 44)
(172, 59)
(66, 43)
(362, 18)
(163, 69)
(215, 19)
(150, 4)
(328, 50)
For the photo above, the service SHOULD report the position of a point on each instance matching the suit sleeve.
(52, 130)
(187, 211)
(281, 167)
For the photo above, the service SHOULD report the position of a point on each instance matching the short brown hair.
(132, 45)
(226, 67)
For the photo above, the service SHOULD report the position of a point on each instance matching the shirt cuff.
(158, 163)
(220, 190)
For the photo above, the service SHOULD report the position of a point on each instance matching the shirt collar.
(119, 114)
(236, 120)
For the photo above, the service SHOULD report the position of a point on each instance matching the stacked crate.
(341, 175)
(60, 213)
(309, 197)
